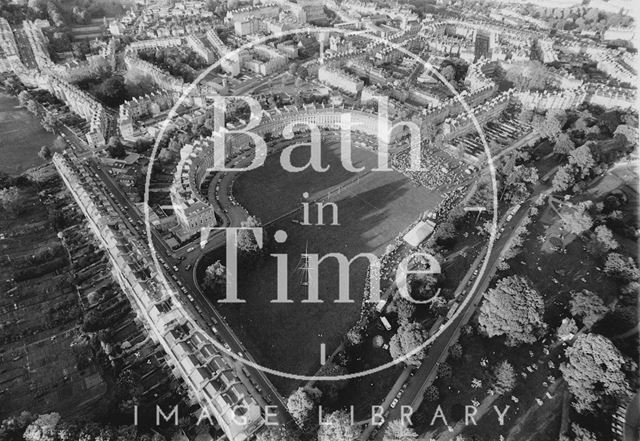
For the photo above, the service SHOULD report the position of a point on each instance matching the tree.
(275, 433)
(354, 336)
(525, 115)
(582, 159)
(548, 127)
(621, 267)
(12, 428)
(563, 145)
(563, 179)
(165, 156)
(215, 274)
(581, 434)
(514, 309)
(301, 404)
(628, 132)
(10, 200)
(593, 369)
(115, 148)
(448, 73)
(408, 338)
(455, 351)
(32, 107)
(59, 144)
(50, 121)
(42, 429)
(398, 431)
(24, 97)
(577, 221)
(246, 239)
(44, 153)
(337, 427)
(404, 308)
(505, 377)
(567, 329)
(112, 91)
(588, 306)
(609, 121)
(602, 241)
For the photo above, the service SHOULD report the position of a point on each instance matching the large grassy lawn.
(22, 137)
(371, 213)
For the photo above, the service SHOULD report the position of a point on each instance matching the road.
(438, 352)
(184, 280)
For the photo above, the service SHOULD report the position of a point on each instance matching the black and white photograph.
(319, 220)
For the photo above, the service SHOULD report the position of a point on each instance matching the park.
(372, 211)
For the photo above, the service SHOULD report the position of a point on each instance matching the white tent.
(419, 233)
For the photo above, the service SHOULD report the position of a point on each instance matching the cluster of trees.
(550, 124)
(527, 75)
(115, 148)
(51, 119)
(581, 165)
(51, 427)
(16, 14)
(182, 62)
(589, 130)
(578, 19)
(11, 200)
(110, 89)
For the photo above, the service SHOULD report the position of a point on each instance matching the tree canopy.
(275, 433)
(514, 309)
(337, 427)
(409, 337)
(577, 221)
(582, 158)
(593, 369)
(563, 179)
(301, 404)
(246, 239)
(505, 377)
(398, 431)
(563, 145)
(621, 267)
(11, 200)
(587, 306)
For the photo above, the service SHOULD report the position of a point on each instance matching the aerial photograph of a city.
(319, 220)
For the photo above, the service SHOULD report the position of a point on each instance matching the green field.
(22, 137)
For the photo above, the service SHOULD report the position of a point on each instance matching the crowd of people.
(439, 170)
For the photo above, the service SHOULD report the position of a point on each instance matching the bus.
(386, 323)
(380, 306)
